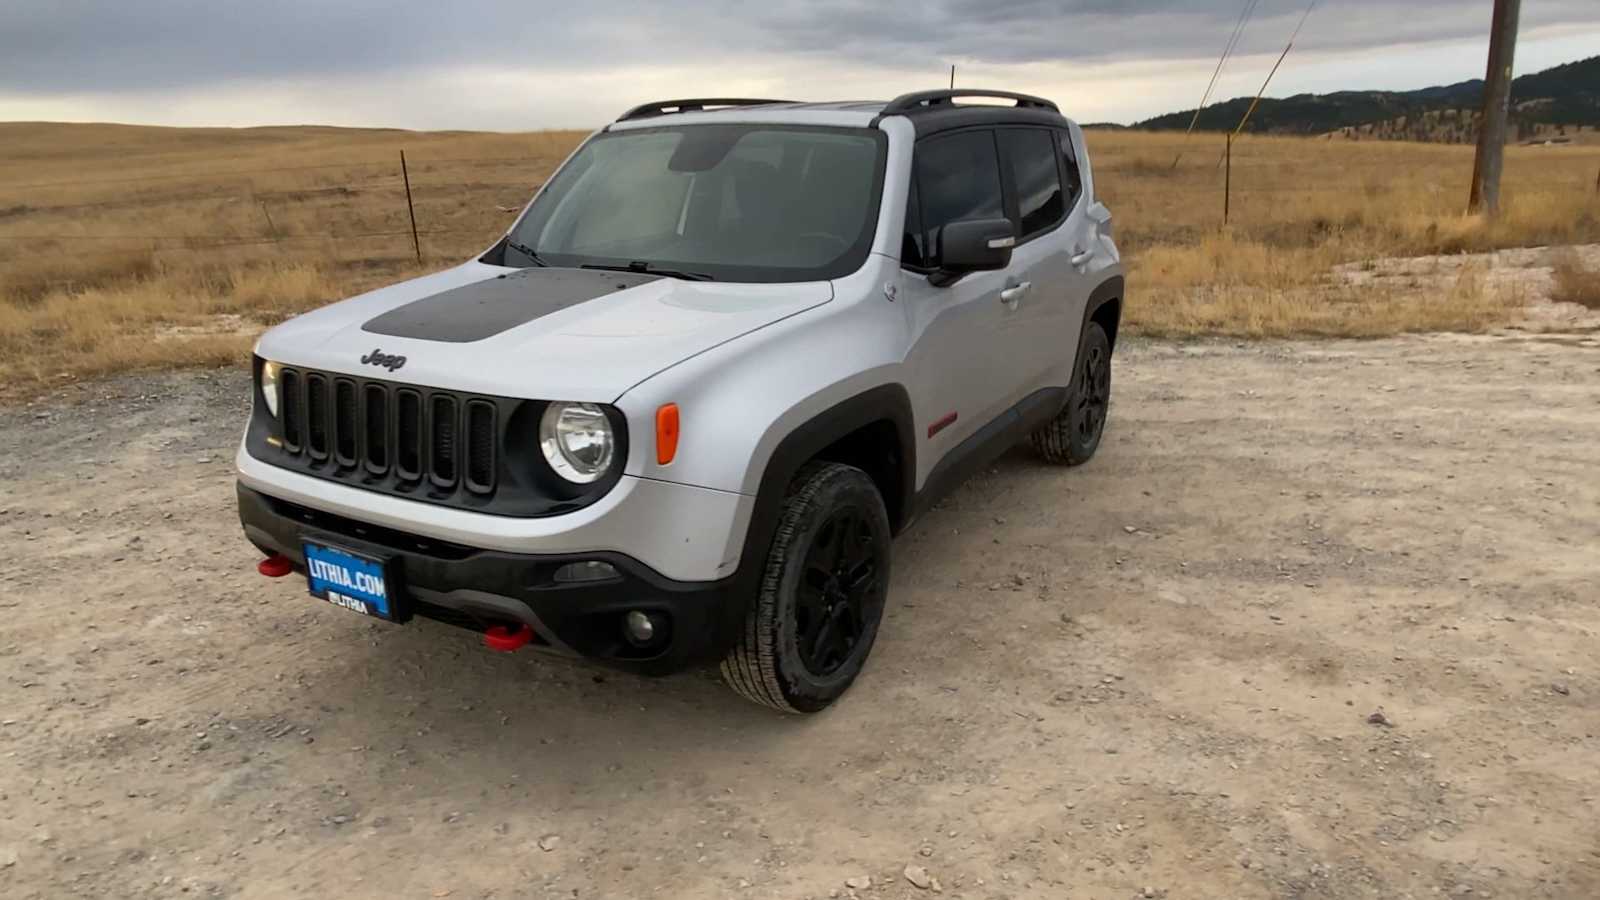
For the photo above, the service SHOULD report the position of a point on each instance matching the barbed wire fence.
(96, 219)
(373, 178)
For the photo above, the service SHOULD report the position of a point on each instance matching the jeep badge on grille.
(379, 358)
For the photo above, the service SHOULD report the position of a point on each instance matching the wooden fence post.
(1227, 182)
(272, 229)
(416, 242)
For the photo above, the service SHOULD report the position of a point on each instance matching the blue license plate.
(357, 583)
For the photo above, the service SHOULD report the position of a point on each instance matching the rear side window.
(1031, 154)
(958, 177)
(1069, 168)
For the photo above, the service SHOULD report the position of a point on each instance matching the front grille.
(375, 404)
(344, 422)
(408, 431)
(405, 439)
(480, 445)
(442, 430)
(293, 417)
(474, 452)
(316, 424)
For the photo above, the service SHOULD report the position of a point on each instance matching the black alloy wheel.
(841, 582)
(809, 630)
(1072, 437)
(1094, 394)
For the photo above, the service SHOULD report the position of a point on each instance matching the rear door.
(964, 374)
(1045, 200)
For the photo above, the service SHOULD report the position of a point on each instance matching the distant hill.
(1556, 104)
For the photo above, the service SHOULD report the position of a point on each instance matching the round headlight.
(577, 441)
(269, 386)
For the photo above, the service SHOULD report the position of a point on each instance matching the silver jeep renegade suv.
(678, 413)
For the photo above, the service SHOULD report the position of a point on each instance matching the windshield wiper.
(527, 251)
(645, 268)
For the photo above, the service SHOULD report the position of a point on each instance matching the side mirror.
(1100, 216)
(974, 245)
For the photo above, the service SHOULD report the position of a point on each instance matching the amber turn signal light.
(666, 433)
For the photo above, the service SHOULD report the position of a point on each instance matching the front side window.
(1031, 153)
(728, 202)
(913, 246)
(958, 178)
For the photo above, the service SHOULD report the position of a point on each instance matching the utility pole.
(1496, 110)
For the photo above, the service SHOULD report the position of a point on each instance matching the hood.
(545, 333)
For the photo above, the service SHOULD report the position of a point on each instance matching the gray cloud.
(991, 31)
(53, 47)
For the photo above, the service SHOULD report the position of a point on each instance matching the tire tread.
(1053, 440)
(750, 668)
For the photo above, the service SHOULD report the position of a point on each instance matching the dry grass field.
(1575, 281)
(131, 247)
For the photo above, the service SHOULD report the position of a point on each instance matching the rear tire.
(1072, 437)
(813, 622)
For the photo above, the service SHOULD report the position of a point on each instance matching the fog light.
(590, 570)
(641, 628)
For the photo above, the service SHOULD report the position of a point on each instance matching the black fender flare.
(1109, 291)
(887, 402)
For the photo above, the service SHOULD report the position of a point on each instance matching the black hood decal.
(483, 309)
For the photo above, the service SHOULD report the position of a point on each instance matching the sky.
(505, 65)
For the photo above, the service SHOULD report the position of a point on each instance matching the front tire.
(814, 620)
(1072, 437)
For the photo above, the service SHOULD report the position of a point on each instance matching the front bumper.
(684, 532)
(475, 588)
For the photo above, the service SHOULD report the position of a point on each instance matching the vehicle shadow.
(429, 698)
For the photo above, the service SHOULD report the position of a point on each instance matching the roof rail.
(664, 107)
(928, 100)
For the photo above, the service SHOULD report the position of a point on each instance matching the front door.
(965, 372)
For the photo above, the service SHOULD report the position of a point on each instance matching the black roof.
(933, 122)
(934, 111)
(698, 104)
(937, 100)
(929, 111)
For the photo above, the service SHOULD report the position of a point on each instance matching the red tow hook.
(275, 566)
(503, 639)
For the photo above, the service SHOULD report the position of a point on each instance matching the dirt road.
(1149, 677)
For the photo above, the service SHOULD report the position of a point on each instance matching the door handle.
(1011, 296)
(1081, 258)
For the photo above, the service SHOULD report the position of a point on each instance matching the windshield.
(730, 202)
